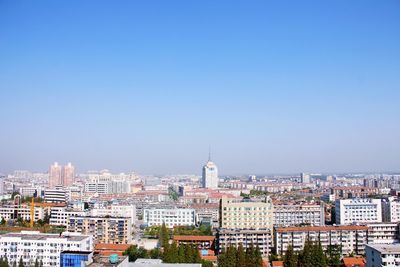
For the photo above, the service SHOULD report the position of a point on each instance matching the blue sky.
(272, 86)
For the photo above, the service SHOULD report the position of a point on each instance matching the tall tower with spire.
(210, 174)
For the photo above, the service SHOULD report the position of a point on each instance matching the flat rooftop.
(42, 236)
(386, 249)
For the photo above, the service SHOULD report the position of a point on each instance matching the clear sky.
(147, 86)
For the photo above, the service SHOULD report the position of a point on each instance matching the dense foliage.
(191, 230)
(239, 257)
(312, 255)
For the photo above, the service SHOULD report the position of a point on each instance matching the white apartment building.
(358, 210)
(383, 233)
(393, 209)
(210, 175)
(13, 212)
(32, 245)
(292, 215)
(382, 255)
(30, 191)
(108, 187)
(246, 214)
(246, 237)
(352, 238)
(171, 217)
(97, 187)
(60, 215)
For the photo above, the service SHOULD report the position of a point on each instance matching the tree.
(205, 263)
(304, 257)
(318, 258)
(290, 259)
(250, 251)
(181, 254)
(196, 254)
(258, 257)
(21, 262)
(241, 256)
(334, 253)
(36, 263)
(170, 253)
(134, 252)
(188, 253)
(163, 236)
(155, 253)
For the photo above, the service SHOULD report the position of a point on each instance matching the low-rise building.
(32, 245)
(57, 195)
(21, 211)
(200, 241)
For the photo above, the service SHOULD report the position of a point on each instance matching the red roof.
(277, 264)
(321, 228)
(354, 262)
(108, 249)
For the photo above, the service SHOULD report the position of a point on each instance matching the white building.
(393, 209)
(382, 255)
(171, 217)
(358, 210)
(61, 215)
(57, 195)
(210, 175)
(97, 187)
(116, 211)
(32, 245)
(292, 215)
(13, 212)
(383, 233)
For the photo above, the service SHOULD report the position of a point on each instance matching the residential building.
(358, 210)
(114, 230)
(68, 174)
(55, 175)
(20, 211)
(246, 213)
(382, 255)
(383, 233)
(303, 214)
(97, 187)
(32, 245)
(60, 215)
(116, 211)
(305, 178)
(171, 217)
(352, 238)
(246, 237)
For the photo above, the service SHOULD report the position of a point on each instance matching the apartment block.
(352, 238)
(171, 217)
(382, 255)
(246, 237)
(305, 214)
(113, 230)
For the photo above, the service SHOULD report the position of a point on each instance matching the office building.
(75, 258)
(303, 214)
(57, 195)
(60, 215)
(358, 210)
(246, 213)
(210, 175)
(32, 245)
(113, 230)
(382, 255)
(383, 233)
(171, 217)
(305, 178)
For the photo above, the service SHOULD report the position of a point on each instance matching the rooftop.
(35, 235)
(194, 237)
(386, 249)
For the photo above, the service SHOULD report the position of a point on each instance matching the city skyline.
(147, 87)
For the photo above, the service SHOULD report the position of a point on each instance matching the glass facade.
(73, 259)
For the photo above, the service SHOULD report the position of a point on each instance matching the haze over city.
(272, 87)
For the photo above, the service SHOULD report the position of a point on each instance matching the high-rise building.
(305, 178)
(358, 210)
(68, 174)
(55, 175)
(210, 175)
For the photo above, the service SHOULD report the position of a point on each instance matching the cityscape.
(199, 133)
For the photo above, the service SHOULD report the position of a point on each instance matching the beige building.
(246, 214)
(113, 230)
(68, 174)
(55, 175)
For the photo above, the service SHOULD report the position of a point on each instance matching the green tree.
(134, 252)
(318, 258)
(304, 257)
(290, 259)
(36, 263)
(241, 256)
(189, 253)
(181, 254)
(21, 262)
(155, 253)
(258, 257)
(334, 253)
(196, 254)
(222, 259)
(250, 252)
(205, 263)
(163, 235)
